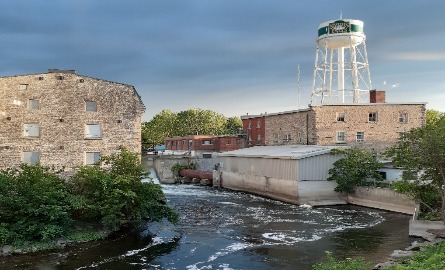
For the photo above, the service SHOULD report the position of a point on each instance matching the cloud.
(419, 56)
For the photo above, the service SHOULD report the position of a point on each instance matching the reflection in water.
(220, 229)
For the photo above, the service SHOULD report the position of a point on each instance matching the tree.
(160, 127)
(190, 122)
(233, 125)
(358, 165)
(421, 154)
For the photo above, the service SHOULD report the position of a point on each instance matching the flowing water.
(220, 229)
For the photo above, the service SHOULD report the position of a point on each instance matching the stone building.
(63, 119)
(374, 125)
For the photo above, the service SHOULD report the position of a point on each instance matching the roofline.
(271, 114)
(370, 104)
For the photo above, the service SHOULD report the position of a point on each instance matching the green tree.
(421, 154)
(160, 127)
(233, 125)
(357, 166)
(200, 122)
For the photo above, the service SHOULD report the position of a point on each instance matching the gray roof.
(281, 151)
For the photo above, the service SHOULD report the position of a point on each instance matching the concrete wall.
(318, 191)
(164, 163)
(280, 189)
(382, 198)
(62, 118)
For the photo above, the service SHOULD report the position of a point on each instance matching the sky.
(230, 56)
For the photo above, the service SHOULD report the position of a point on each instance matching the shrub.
(431, 258)
(112, 193)
(35, 205)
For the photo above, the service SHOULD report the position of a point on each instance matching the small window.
(239, 141)
(92, 158)
(206, 142)
(93, 131)
(403, 118)
(341, 137)
(258, 125)
(34, 104)
(275, 138)
(31, 157)
(258, 139)
(31, 130)
(372, 117)
(23, 87)
(300, 137)
(360, 136)
(90, 106)
(287, 138)
(341, 117)
(228, 141)
(250, 139)
(207, 155)
(250, 124)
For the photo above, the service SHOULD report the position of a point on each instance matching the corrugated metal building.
(292, 173)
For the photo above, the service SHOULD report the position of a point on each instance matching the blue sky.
(230, 56)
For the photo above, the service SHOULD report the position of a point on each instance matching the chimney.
(377, 96)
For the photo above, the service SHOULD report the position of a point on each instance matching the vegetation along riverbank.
(40, 208)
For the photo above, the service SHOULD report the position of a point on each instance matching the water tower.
(341, 73)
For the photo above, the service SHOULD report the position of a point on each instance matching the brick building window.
(206, 142)
(93, 131)
(360, 136)
(250, 140)
(341, 137)
(250, 125)
(228, 141)
(33, 104)
(403, 117)
(258, 139)
(372, 117)
(31, 157)
(92, 158)
(23, 86)
(31, 130)
(341, 116)
(90, 106)
(258, 125)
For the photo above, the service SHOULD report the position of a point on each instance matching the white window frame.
(91, 157)
(403, 117)
(93, 131)
(23, 86)
(31, 130)
(373, 117)
(360, 136)
(258, 125)
(340, 137)
(207, 142)
(89, 106)
(258, 139)
(341, 117)
(30, 157)
(33, 104)
(275, 138)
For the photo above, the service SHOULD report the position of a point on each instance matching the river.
(220, 229)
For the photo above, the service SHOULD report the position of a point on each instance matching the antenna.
(298, 88)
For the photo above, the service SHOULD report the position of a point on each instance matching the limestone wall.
(62, 117)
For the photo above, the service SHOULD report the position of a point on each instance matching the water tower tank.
(341, 73)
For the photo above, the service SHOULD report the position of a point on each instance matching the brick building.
(64, 119)
(204, 145)
(374, 125)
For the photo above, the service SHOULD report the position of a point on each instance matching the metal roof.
(281, 151)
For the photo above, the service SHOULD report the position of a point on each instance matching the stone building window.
(275, 138)
(341, 116)
(300, 137)
(23, 86)
(30, 157)
(341, 137)
(403, 117)
(31, 130)
(93, 131)
(287, 138)
(34, 104)
(90, 106)
(372, 117)
(360, 136)
(92, 158)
